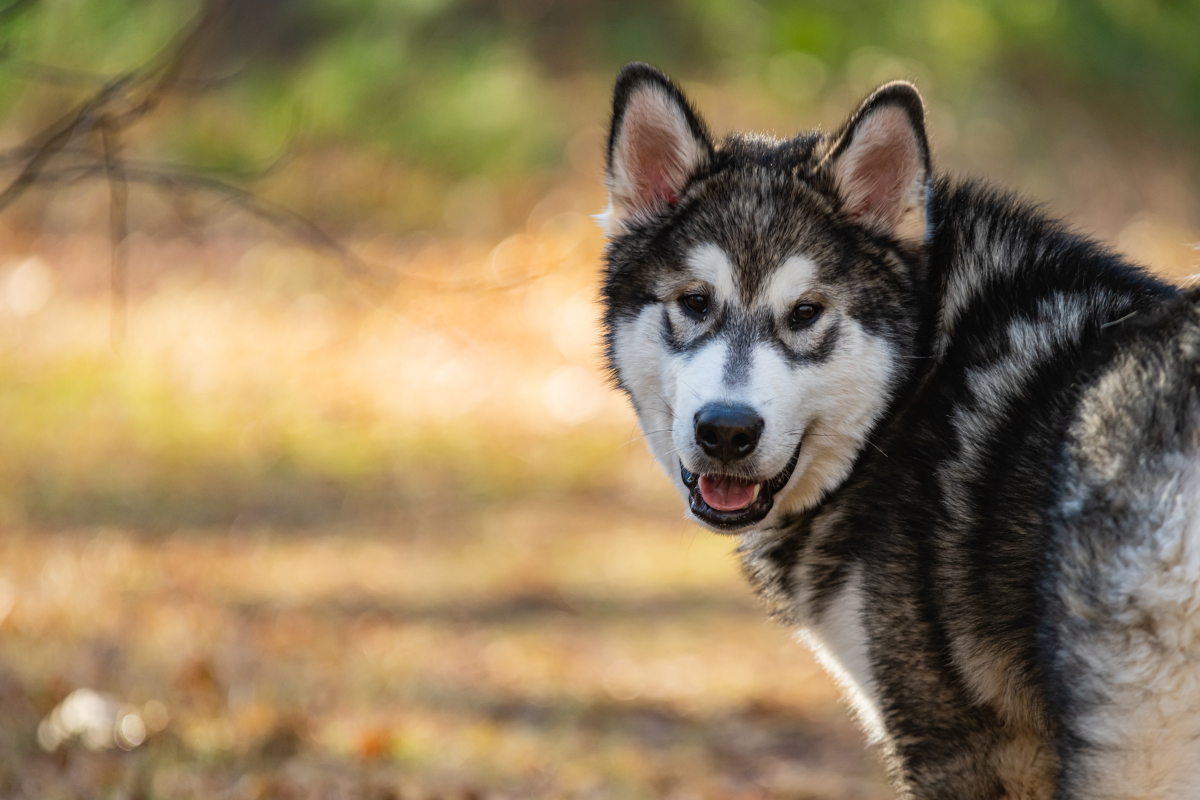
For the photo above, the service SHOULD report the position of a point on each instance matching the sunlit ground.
(353, 541)
(311, 538)
(500, 651)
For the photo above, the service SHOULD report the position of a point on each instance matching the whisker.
(646, 435)
(877, 447)
(690, 389)
(662, 399)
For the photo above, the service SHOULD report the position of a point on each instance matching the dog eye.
(803, 315)
(695, 305)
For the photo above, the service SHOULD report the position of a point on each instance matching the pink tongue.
(726, 494)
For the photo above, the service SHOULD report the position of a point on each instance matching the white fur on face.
(710, 265)
(832, 404)
(841, 400)
(789, 284)
(640, 361)
(694, 383)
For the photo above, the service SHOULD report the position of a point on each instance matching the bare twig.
(162, 71)
(83, 79)
(119, 102)
(16, 155)
(164, 177)
(98, 124)
(48, 73)
(285, 219)
(113, 101)
(289, 222)
(56, 136)
(118, 228)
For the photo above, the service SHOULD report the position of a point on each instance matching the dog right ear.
(655, 145)
(881, 165)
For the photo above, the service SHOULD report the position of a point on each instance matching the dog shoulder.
(1121, 638)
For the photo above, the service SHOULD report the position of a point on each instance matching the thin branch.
(289, 222)
(285, 219)
(295, 225)
(163, 70)
(122, 101)
(16, 155)
(197, 86)
(48, 73)
(118, 227)
(57, 136)
(83, 79)
(22, 154)
(272, 167)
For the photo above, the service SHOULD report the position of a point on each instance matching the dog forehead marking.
(783, 286)
(711, 264)
(787, 284)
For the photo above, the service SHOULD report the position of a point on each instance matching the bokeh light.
(379, 525)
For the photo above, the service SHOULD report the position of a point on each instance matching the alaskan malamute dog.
(960, 444)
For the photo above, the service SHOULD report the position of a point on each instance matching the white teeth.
(757, 489)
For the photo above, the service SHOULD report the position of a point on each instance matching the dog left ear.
(656, 144)
(881, 165)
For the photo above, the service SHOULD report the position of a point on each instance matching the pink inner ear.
(663, 190)
(882, 183)
(654, 166)
(657, 152)
(878, 170)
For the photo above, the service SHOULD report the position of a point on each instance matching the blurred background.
(310, 481)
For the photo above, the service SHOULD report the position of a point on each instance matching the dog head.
(761, 295)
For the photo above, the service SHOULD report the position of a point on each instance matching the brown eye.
(803, 315)
(695, 305)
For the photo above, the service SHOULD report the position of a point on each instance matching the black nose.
(728, 432)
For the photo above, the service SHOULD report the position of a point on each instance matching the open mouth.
(730, 503)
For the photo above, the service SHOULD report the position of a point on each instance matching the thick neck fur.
(939, 525)
(995, 267)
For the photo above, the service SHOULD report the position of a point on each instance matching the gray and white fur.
(960, 444)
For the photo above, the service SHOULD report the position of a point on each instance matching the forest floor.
(491, 651)
(298, 538)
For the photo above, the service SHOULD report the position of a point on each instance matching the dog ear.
(881, 165)
(656, 143)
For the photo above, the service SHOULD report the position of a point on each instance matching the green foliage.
(485, 88)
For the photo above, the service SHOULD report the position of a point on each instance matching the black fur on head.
(842, 198)
(876, 169)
